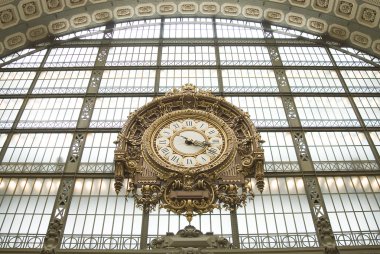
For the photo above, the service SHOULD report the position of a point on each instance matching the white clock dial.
(180, 144)
(189, 142)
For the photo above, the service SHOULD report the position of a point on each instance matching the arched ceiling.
(350, 22)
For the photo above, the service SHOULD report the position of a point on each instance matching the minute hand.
(201, 143)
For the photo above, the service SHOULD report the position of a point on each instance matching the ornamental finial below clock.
(189, 152)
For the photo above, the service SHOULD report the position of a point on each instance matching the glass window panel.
(376, 140)
(248, 80)
(28, 61)
(244, 55)
(137, 29)
(206, 79)
(304, 56)
(97, 213)
(188, 55)
(340, 151)
(362, 81)
(369, 108)
(37, 152)
(278, 218)
(8, 112)
(352, 220)
(112, 112)
(284, 32)
(264, 111)
(188, 28)
(132, 56)
(98, 153)
(57, 82)
(273, 223)
(311, 81)
(3, 137)
(72, 57)
(127, 81)
(51, 113)
(325, 111)
(93, 33)
(344, 59)
(20, 217)
(15, 55)
(16, 82)
(238, 29)
(280, 154)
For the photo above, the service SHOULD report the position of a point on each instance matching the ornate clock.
(188, 142)
(190, 152)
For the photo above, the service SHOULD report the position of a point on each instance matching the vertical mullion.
(159, 58)
(88, 203)
(34, 210)
(125, 200)
(47, 198)
(272, 203)
(133, 223)
(114, 213)
(18, 205)
(282, 205)
(217, 58)
(340, 198)
(246, 227)
(77, 210)
(332, 146)
(366, 196)
(255, 213)
(49, 102)
(10, 202)
(360, 204)
(337, 194)
(375, 178)
(97, 204)
(27, 202)
(264, 211)
(297, 195)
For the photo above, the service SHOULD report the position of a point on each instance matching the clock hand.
(206, 143)
(201, 143)
(188, 141)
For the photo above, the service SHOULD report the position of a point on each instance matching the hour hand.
(188, 141)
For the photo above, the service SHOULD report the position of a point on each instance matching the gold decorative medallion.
(190, 152)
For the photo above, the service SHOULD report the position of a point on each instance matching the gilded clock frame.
(150, 153)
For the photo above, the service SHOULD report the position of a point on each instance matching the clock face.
(189, 142)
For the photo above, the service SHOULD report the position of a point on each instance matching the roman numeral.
(174, 159)
(213, 151)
